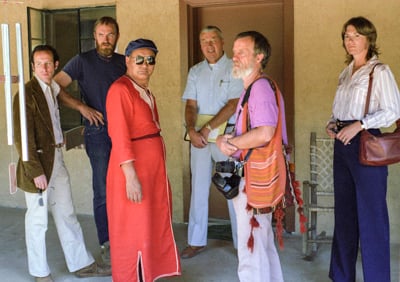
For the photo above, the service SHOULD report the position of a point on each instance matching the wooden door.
(273, 19)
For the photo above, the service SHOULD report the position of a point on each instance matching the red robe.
(138, 232)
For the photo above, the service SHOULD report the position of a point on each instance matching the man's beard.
(105, 50)
(241, 73)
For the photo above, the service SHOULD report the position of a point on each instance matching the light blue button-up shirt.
(212, 85)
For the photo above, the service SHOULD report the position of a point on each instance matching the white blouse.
(351, 93)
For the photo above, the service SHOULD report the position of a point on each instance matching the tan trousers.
(58, 199)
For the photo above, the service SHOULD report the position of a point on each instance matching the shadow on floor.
(217, 263)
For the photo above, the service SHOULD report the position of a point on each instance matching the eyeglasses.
(150, 60)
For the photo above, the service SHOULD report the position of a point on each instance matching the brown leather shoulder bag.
(382, 149)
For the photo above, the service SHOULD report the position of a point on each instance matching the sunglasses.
(150, 60)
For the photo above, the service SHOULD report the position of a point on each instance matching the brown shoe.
(48, 278)
(105, 253)
(191, 251)
(94, 270)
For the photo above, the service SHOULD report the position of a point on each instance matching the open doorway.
(274, 19)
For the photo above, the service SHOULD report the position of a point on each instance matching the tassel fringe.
(300, 203)
(254, 224)
(279, 215)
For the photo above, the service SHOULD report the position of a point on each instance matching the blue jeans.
(98, 147)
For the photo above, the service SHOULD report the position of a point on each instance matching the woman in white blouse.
(361, 214)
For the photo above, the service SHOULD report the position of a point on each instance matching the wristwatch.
(362, 125)
(208, 126)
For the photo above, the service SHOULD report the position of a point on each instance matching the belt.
(146, 136)
(262, 210)
(340, 124)
(60, 145)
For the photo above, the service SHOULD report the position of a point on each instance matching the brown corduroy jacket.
(41, 140)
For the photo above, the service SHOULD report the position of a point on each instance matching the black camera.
(228, 186)
(225, 166)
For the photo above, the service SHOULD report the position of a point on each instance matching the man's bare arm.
(94, 116)
(190, 113)
(253, 138)
(196, 138)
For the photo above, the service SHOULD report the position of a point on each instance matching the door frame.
(189, 24)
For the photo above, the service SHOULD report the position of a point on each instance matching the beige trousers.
(58, 199)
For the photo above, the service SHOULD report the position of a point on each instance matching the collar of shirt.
(366, 68)
(220, 63)
(55, 88)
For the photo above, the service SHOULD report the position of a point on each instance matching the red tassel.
(248, 207)
(250, 242)
(303, 220)
(254, 224)
(299, 200)
(297, 193)
(279, 214)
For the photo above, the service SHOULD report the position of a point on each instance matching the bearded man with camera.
(259, 262)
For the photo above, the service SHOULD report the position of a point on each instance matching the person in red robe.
(139, 198)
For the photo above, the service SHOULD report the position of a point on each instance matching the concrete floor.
(217, 264)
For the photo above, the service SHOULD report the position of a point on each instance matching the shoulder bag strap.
(245, 99)
(371, 78)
